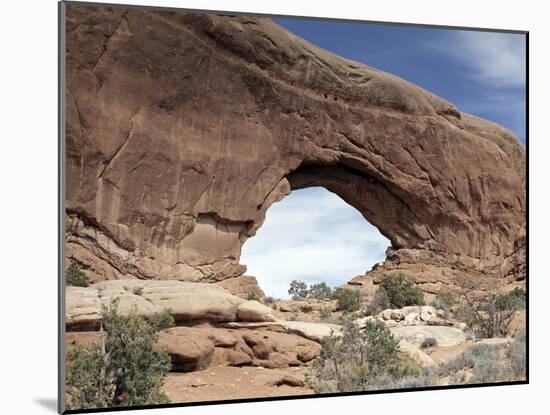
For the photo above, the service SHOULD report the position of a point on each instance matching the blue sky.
(482, 73)
(312, 234)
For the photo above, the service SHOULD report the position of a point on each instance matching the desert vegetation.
(394, 291)
(367, 358)
(75, 277)
(359, 357)
(124, 368)
(491, 315)
(300, 290)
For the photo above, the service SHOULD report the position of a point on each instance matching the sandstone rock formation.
(183, 128)
(201, 346)
(254, 311)
(242, 286)
(188, 351)
(186, 301)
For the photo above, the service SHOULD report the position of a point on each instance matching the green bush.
(298, 289)
(401, 291)
(445, 300)
(513, 300)
(407, 368)
(351, 362)
(160, 321)
(347, 299)
(124, 369)
(75, 277)
(321, 291)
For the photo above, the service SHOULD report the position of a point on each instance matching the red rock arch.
(182, 129)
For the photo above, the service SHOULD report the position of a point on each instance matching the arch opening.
(312, 235)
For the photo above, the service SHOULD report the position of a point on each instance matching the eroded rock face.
(243, 286)
(183, 128)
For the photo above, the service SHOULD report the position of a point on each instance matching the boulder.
(289, 381)
(254, 311)
(412, 316)
(82, 307)
(415, 353)
(415, 335)
(242, 286)
(312, 331)
(186, 301)
(161, 104)
(188, 350)
(237, 358)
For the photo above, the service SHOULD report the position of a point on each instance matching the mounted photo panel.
(261, 207)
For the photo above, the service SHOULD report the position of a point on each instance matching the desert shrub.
(125, 369)
(138, 290)
(407, 368)
(401, 291)
(379, 302)
(298, 289)
(490, 316)
(445, 300)
(485, 365)
(325, 313)
(347, 299)
(321, 291)
(514, 300)
(160, 321)
(252, 296)
(386, 381)
(517, 356)
(429, 342)
(350, 362)
(75, 276)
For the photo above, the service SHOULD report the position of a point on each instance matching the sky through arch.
(314, 236)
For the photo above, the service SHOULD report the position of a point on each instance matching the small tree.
(352, 361)
(401, 291)
(124, 369)
(490, 316)
(298, 289)
(321, 291)
(348, 299)
(75, 277)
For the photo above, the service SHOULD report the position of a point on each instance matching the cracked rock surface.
(183, 128)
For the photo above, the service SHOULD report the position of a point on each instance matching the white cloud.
(311, 235)
(498, 58)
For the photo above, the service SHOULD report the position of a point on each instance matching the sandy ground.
(226, 382)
